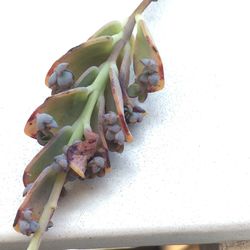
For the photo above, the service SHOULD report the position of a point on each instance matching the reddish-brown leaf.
(79, 153)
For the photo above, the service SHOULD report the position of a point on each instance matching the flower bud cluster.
(27, 225)
(134, 114)
(95, 167)
(44, 123)
(145, 81)
(61, 79)
(113, 132)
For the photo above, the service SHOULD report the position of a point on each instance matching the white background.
(185, 178)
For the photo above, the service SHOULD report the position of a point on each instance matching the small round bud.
(139, 117)
(138, 109)
(136, 117)
(147, 61)
(120, 138)
(45, 121)
(65, 80)
(101, 173)
(114, 128)
(128, 109)
(96, 164)
(150, 65)
(61, 160)
(99, 161)
(133, 118)
(109, 135)
(34, 226)
(60, 68)
(52, 80)
(110, 118)
(153, 79)
(143, 78)
(24, 227)
(27, 214)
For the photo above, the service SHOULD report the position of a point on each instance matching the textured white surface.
(185, 178)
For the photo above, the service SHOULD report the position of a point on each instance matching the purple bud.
(61, 160)
(61, 67)
(133, 118)
(96, 164)
(110, 118)
(95, 169)
(114, 129)
(147, 61)
(139, 117)
(27, 214)
(138, 109)
(45, 121)
(143, 78)
(120, 138)
(150, 65)
(65, 80)
(153, 79)
(52, 80)
(24, 227)
(34, 226)
(109, 135)
(99, 161)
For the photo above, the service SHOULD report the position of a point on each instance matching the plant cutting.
(96, 89)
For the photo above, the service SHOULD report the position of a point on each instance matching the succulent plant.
(87, 115)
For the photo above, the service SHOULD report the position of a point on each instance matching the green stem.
(83, 122)
(128, 29)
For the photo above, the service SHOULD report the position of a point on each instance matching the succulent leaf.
(87, 78)
(144, 48)
(35, 200)
(80, 152)
(124, 73)
(46, 155)
(108, 29)
(91, 53)
(97, 121)
(118, 99)
(64, 107)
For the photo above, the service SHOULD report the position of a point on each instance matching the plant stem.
(83, 122)
(128, 29)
